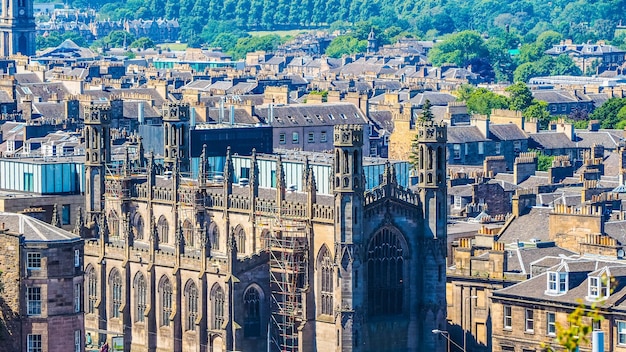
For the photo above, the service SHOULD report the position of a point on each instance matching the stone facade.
(43, 280)
(181, 264)
(17, 28)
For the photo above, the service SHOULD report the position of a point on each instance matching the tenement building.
(176, 263)
(42, 280)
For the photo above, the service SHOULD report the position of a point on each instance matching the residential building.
(526, 315)
(42, 275)
(590, 58)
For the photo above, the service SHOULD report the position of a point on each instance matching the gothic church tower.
(17, 28)
(348, 193)
(97, 155)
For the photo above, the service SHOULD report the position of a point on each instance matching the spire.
(202, 174)
(280, 181)
(79, 226)
(151, 172)
(254, 173)
(389, 177)
(128, 227)
(311, 186)
(103, 228)
(179, 239)
(228, 172)
(141, 160)
(56, 221)
(127, 166)
(232, 243)
(305, 171)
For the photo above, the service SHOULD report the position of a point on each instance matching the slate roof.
(598, 98)
(461, 191)
(382, 119)
(520, 259)
(35, 230)
(44, 91)
(556, 96)
(588, 49)
(506, 132)
(505, 177)
(313, 114)
(242, 88)
(551, 140)
(534, 289)
(105, 95)
(435, 98)
(26, 78)
(534, 181)
(51, 110)
(586, 139)
(506, 186)
(68, 50)
(617, 230)
(201, 85)
(131, 110)
(531, 225)
(241, 116)
(464, 134)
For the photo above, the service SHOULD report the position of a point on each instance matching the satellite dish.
(620, 253)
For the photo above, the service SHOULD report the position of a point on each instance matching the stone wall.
(10, 298)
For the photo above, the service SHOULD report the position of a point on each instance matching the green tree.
(564, 65)
(482, 101)
(607, 113)
(118, 39)
(142, 43)
(520, 96)
(528, 70)
(577, 331)
(345, 45)
(538, 110)
(427, 113)
(254, 43)
(459, 49)
(547, 39)
(544, 162)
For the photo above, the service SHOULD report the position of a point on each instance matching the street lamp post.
(447, 336)
(469, 317)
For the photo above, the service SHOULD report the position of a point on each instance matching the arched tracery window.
(163, 229)
(217, 305)
(191, 305)
(326, 270)
(114, 224)
(240, 234)
(92, 290)
(140, 297)
(165, 291)
(138, 226)
(214, 233)
(115, 282)
(188, 233)
(385, 266)
(252, 323)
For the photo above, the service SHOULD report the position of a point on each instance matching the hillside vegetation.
(578, 20)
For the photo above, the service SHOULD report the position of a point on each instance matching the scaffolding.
(287, 244)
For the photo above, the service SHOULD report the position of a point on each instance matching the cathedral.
(181, 263)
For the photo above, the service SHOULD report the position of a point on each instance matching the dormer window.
(598, 287)
(557, 282)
